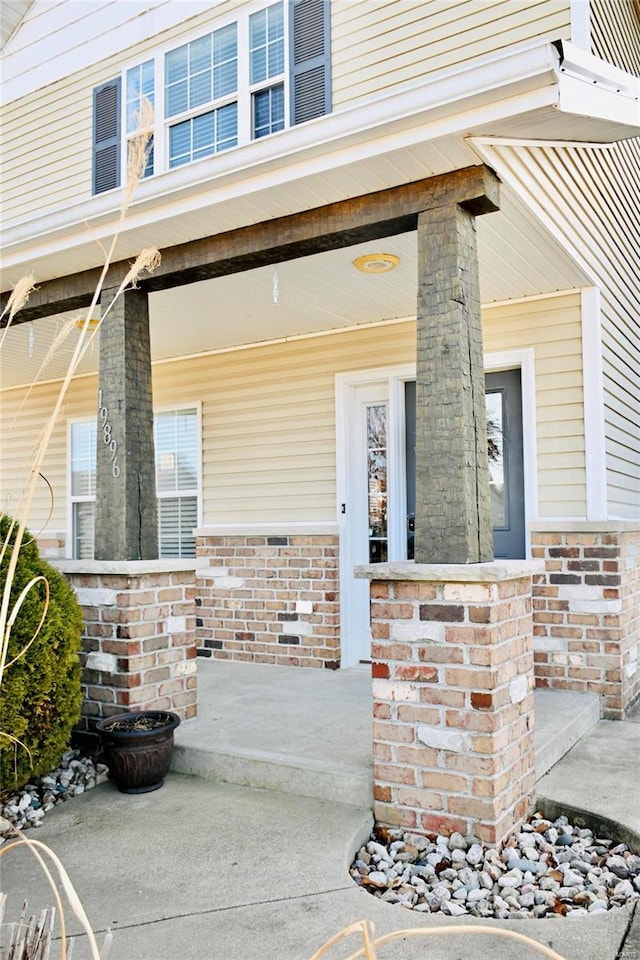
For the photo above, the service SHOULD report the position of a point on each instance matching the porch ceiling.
(518, 258)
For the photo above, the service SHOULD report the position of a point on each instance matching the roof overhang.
(542, 91)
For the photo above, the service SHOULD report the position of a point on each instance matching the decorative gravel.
(550, 868)
(27, 807)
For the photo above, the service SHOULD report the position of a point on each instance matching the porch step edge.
(286, 773)
(567, 718)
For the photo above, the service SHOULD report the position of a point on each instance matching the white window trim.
(69, 531)
(243, 95)
(165, 408)
(593, 406)
(174, 408)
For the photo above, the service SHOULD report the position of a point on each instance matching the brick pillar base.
(139, 643)
(586, 610)
(453, 696)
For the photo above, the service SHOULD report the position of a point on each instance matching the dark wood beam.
(342, 224)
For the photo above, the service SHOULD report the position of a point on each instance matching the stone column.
(453, 696)
(453, 510)
(126, 526)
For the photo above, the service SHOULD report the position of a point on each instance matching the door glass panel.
(495, 451)
(377, 481)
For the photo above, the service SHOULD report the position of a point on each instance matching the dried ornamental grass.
(35, 936)
(370, 943)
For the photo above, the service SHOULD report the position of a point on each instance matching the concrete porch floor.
(308, 732)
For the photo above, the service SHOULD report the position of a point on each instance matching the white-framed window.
(82, 486)
(139, 86)
(178, 482)
(177, 447)
(247, 77)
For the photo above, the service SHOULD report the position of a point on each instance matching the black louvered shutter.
(106, 136)
(310, 62)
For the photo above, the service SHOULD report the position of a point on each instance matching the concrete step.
(562, 718)
(308, 733)
(286, 772)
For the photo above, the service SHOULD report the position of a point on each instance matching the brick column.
(453, 696)
(126, 514)
(139, 644)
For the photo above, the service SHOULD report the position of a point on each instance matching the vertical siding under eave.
(380, 45)
(596, 202)
(615, 33)
(268, 416)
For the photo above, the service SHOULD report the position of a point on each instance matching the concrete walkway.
(204, 870)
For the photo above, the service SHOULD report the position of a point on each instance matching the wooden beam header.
(344, 223)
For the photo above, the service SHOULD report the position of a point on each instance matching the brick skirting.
(586, 611)
(269, 599)
(139, 637)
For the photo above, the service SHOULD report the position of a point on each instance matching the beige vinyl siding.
(268, 420)
(20, 433)
(615, 33)
(596, 202)
(378, 45)
(268, 416)
(552, 327)
(47, 135)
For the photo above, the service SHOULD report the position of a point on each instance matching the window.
(177, 452)
(247, 79)
(176, 443)
(267, 64)
(83, 487)
(140, 87)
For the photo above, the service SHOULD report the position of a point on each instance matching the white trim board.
(593, 403)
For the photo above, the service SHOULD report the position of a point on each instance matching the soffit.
(518, 258)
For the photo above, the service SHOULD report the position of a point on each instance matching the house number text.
(109, 440)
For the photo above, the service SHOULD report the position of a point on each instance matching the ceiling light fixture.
(93, 323)
(376, 262)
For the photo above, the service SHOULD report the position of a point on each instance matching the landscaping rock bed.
(550, 868)
(27, 807)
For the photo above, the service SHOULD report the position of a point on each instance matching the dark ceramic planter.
(138, 758)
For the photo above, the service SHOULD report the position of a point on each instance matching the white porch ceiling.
(518, 258)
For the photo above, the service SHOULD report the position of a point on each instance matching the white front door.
(372, 499)
(376, 482)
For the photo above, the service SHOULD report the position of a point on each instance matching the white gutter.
(589, 87)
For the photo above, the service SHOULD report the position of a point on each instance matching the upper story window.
(247, 79)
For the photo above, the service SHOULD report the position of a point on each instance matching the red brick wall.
(270, 599)
(586, 612)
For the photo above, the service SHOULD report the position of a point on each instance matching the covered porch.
(309, 732)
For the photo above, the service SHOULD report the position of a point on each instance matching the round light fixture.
(376, 262)
(93, 323)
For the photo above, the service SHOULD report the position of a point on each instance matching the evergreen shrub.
(41, 694)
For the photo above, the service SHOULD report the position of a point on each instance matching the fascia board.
(500, 85)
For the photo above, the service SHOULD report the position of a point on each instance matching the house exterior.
(363, 209)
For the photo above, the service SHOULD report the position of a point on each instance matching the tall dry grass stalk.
(146, 261)
(370, 943)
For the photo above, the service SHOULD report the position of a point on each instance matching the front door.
(378, 508)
